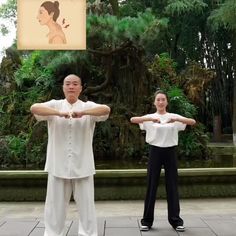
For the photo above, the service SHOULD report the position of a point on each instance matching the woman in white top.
(162, 130)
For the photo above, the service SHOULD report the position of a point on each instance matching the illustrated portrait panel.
(51, 25)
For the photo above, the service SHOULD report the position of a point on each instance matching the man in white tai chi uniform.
(70, 162)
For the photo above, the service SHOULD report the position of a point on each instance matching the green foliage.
(179, 103)
(179, 7)
(32, 72)
(101, 146)
(192, 143)
(131, 7)
(128, 89)
(224, 16)
(162, 69)
(3, 29)
(8, 11)
(17, 147)
(57, 60)
(111, 31)
(36, 145)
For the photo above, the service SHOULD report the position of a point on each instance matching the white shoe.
(144, 228)
(180, 228)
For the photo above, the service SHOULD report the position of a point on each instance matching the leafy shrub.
(17, 147)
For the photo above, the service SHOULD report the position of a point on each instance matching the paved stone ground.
(128, 226)
(210, 217)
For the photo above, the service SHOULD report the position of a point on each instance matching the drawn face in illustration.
(43, 16)
(48, 11)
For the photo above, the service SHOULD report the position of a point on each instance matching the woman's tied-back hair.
(52, 7)
(158, 91)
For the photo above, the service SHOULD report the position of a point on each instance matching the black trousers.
(159, 157)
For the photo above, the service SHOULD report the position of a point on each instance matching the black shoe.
(180, 228)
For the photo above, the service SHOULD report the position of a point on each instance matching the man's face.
(72, 87)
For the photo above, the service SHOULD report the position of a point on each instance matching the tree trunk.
(234, 89)
(115, 7)
(234, 113)
(217, 128)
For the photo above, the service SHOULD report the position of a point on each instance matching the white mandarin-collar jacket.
(69, 151)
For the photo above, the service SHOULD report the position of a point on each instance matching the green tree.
(120, 68)
(8, 11)
(224, 17)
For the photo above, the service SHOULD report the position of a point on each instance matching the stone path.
(202, 217)
(129, 226)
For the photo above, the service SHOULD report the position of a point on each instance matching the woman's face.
(161, 102)
(43, 16)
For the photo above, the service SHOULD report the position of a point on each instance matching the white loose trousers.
(59, 192)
